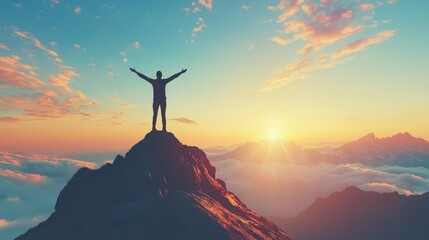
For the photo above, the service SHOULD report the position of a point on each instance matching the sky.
(307, 71)
(321, 70)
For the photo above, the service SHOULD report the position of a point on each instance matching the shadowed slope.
(354, 214)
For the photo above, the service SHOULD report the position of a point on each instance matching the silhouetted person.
(159, 98)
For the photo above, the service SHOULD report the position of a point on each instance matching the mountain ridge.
(400, 149)
(357, 214)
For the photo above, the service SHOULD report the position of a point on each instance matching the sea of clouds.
(29, 187)
(30, 184)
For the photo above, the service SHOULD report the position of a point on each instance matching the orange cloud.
(9, 120)
(25, 177)
(200, 26)
(116, 117)
(8, 159)
(289, 8)
(366, 6)
(323, 30)
(36, 43)
(58, 160)
(272, 8)
(206, 3)
(4, 223)
(72, 104)
(63, 79)
(16, 159)
(299, 70)
(117, 114)
(388, 187)
(363, 43)
(184, 120)
(281, 41)
(14, 74)
(309, 9)
(14, 101)
(49, 104)
(53, 99)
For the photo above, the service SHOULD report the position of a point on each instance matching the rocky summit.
(161, 189)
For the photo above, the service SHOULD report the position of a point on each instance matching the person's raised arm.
(175, 75)
(142, 75)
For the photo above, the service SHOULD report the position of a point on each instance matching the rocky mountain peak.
(161, 189)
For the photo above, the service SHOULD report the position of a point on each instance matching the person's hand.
(133, 69)
(184, 70)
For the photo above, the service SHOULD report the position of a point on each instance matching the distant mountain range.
(401, 149)
(354, 214)
(267, 151)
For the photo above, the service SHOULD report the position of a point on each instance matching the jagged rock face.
(162, 189)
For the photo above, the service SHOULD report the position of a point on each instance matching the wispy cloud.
(252, 46)
(184, 120)
(361, 44)
(135, 45)
(10, 120)
(320, 24)
(272, 8)
(23, 160)
(192, 9)
(200, 25)
(26, 177)
(281, 41)
(388, 187)
(117, 117)
(299, 70)
(289, 8)
(36, 43)
(366, 6)
(245, 7)
(3, 46)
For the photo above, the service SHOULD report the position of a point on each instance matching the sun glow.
(273, 135)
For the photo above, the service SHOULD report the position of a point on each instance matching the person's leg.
(164, 120)
(155, 114)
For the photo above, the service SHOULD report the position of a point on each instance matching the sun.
(273, 135)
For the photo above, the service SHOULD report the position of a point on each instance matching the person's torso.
(159, 90)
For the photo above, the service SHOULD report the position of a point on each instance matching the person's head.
(159, 74)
